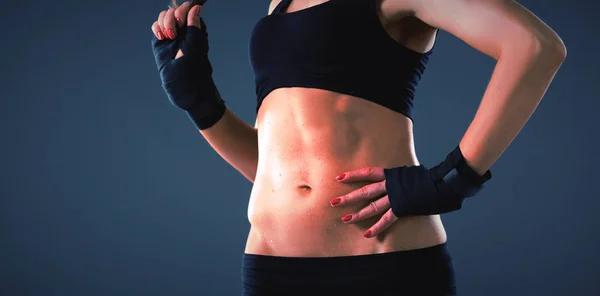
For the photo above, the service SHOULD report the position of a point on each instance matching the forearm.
(236, 141)
(520, 80)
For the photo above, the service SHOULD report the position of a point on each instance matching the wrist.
(473, 158)
(207, 113)
(458, 175)
(476, 176)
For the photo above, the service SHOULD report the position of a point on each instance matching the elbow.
(541, 49)
(560, 50)
(552, 49)
(547, 48)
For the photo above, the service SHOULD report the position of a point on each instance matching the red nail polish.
(368, 233)
(171, 34)
(335, 201)
(340, 177)
(347, 218)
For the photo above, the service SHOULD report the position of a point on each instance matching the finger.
(364, 174)
(157, 31)
(374, 208)
(384, 223)
(160, 21)
(169, 24)
(181, 13)
(193, 17)
(367, 192)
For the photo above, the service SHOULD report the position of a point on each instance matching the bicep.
(489, 26)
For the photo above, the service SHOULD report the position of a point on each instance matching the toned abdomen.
(308, 137)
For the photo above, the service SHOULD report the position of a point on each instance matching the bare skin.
(304, 138)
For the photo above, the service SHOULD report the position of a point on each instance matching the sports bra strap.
(281, 6)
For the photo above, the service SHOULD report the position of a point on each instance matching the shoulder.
(394, 10)
(402, 15)
(272, 5)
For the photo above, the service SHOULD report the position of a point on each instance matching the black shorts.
(426, 272)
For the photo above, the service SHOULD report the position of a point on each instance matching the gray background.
(107, 189)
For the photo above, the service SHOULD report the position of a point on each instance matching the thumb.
(193, 17)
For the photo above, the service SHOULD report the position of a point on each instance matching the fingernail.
(335, 201)
(347, 218)
(159, 35)
(171, 34)
(340, 177)
(367, 233)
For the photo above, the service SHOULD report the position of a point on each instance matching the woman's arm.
(236, 141)
(528, 53)
(189, 86)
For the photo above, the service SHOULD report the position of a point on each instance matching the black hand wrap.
(415, 190)
(187, 80)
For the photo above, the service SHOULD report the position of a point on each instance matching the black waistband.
(397, 273)
(370, 261)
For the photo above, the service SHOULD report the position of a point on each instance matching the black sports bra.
(339, 45)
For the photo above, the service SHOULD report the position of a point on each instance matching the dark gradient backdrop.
(107, 189)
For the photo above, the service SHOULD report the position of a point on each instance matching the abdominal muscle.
(306, 138)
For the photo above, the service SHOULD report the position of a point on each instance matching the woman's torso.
(306, 138)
